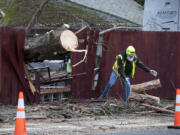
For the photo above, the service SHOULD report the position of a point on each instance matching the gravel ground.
(89, 125)
(67, 119)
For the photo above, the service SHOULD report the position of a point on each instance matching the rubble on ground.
(85, 108)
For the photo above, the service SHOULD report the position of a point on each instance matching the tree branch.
(37, 13)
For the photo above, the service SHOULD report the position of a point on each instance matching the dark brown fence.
(12, 72)
(158, 50)
(83, 74)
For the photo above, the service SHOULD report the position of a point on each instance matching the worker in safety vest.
(124, 67)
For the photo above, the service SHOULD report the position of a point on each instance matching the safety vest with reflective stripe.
(116, 66)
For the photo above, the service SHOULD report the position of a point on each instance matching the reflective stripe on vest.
(115, 66)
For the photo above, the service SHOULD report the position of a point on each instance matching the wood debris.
(160, 109)
(146, 86)
(111, 107)
(139, 92)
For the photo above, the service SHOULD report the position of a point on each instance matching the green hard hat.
(130, 50)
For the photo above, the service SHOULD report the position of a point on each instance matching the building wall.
(161, 15)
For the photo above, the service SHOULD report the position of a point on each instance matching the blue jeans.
(112, 81)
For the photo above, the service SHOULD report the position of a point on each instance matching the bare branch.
(158, 108)
(2, 13)
(83, 28)
(115, 28)
(82, 59)
(36, 15)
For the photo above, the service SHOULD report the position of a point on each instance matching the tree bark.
(146, 86)
(144, 98)
(138, 89)
(46, 47)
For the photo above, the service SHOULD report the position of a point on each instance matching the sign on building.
(161, 15)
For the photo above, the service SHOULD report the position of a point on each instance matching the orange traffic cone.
(20, 125)
(177, 111)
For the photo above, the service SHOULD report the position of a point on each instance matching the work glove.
(153, 72)
(127, 80)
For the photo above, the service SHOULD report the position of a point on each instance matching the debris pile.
(87, 108)
(139, 92)
(90, 108)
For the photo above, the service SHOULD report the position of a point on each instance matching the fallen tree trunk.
(49, 47)
(44, 47)
(144, 98)
(140, 88)
(52, 44)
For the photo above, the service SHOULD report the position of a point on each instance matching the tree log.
(49, 47)
(46, 47)
(140, 88)
(145, 98)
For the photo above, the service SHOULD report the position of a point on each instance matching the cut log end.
(68, 40)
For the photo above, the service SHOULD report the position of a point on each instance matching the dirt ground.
(87, 117)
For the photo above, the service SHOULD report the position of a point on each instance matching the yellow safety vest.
(115, 66)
